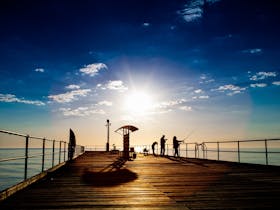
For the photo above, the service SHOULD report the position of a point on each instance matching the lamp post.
(107, 144)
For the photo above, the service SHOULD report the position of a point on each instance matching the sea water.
(12, 172)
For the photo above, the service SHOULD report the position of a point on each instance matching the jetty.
(104, 180)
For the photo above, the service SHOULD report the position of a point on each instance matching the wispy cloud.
(230, 89)
(186, 108)
(193, 10)
(105, 103)
(72, 87)
(260, 85)
(204, 79)
(81, 111)
(198, 91)
(93, 69)
(201, 97)
(262, 75)
(41, 70)
(253, 51)
(276, 83)
(146, 24)
(69, 96)
(169, 104)
(113, 85)
(9, 98)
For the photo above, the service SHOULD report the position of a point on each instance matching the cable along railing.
(261, 151)
(23, 156)
(258, 151)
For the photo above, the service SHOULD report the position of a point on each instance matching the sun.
(138, 103)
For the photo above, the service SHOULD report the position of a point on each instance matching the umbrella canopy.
(128, 127)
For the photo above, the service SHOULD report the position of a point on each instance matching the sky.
(206, 69)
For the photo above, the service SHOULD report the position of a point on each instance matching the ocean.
(12, 172)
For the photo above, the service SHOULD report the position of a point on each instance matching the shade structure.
(126, 129)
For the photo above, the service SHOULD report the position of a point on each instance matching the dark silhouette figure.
(176, 144)
(71, 145)
(162, 145)
(153, 147)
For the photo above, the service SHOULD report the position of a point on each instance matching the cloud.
(186, 108)
(201, 97)
(205, 79)
(230, 89)
(198, 91)
(81, 111)
(41, 70)
(113, 85)
(260, 85)
(253, 51)
(193, 10)
(69, 96)
(106, 103)
(262, 75)
(93, 69)
(72, 87)
(9, 98)
(276, 83)
(146, 24)
(168, 104)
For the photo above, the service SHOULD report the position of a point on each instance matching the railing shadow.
(185, 160)
(112, 175)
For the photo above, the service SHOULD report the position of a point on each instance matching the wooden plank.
(99, 180)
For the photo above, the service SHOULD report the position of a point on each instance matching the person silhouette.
(162, 145)
(153, 147)
(176, 144)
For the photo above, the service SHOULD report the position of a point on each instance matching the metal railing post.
(203, 150)
(238, 150)
(59, 156)
(43, 156)
(53, 153)
(26, 156)
(64, 151)
(266, 155)
(218, 150)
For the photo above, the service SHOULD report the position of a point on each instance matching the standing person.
(176, 144)
(153, 147)
(162, 145)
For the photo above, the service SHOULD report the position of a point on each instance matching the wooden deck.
(98, 180)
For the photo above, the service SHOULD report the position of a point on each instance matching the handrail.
(57, 152)
(239, 151)
(206, 149)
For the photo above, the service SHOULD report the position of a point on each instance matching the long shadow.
(184, 160)
(111, 175)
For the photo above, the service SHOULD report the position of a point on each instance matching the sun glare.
(138, 103)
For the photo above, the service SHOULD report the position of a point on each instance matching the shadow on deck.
(111, 175)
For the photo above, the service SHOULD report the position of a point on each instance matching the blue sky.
(167, 67)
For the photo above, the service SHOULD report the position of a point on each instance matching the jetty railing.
(258, 151)
(261, 151)
(30, 155)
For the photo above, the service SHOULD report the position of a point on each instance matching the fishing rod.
(188, 135)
